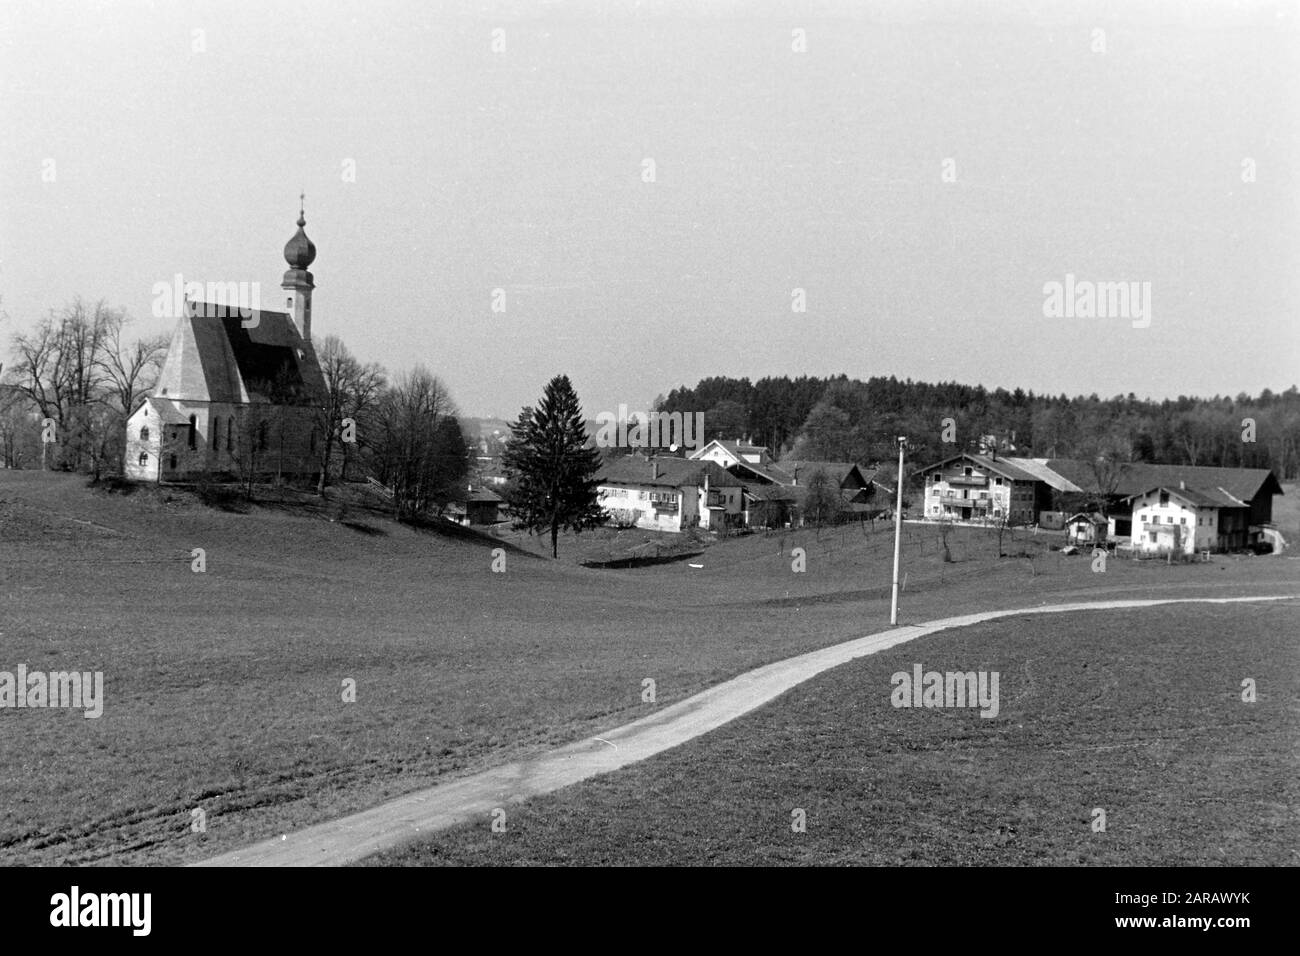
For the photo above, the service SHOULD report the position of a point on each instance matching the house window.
(144, 458)
(1164, 499)
(216, 432)
(1153, 537)
(144, 433)
(1182, 521)
(998, 482)
(968, 472)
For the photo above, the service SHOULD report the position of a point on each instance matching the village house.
(1223, 509)
(1183, 520)
(1245, 494)
(238, 391)
(475, 506)
(970, 487)
(668, 494)
(775, 491)
(1084, 528)
(728, 453)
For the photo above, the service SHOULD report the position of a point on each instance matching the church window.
(261, 437)
(230, 433)
(193, 429)
(216, 432)
(313, 439)
(144, 433)
(173, 462)
(144, 458)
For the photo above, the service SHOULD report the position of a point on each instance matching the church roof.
(214, 358)
(168, 413)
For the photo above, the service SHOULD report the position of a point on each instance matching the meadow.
(224, 689)
(1122, 739)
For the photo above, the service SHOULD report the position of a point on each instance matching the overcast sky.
(1110, 141)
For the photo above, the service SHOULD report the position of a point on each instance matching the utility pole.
(898, 529)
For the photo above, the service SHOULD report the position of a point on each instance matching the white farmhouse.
(669, 494)
(1183, 520)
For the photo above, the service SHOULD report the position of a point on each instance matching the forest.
(843, 419)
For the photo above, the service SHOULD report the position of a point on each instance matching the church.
(239, 392)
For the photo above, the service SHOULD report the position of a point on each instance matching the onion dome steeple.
(298, 282)
(300, 252)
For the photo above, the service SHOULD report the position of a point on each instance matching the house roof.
(1215, 498)
(1038, 468)
(664, 472)
(1137, 478)
(773, 492)
(838, 471)
(478, 496)
(736, 448)
(1095, 518)
(213, 357)
(1007, 468)
(766, 474)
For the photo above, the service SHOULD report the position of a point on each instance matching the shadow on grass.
(364, 529)
(441, 527)
(642, 562)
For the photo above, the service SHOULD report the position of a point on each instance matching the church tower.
(297, 284)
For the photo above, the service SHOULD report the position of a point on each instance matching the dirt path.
(398, 821)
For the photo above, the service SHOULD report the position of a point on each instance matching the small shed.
(1083, 528)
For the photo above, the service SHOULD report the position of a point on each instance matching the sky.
(648, 191)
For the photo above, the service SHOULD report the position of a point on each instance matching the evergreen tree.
(552, 472)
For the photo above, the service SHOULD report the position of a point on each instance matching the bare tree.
(945, 529)
(130, 370)
(60, 368)
(351, 391)
(822, 501)
(416, 442)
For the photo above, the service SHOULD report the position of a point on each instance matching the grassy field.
(224, 688)
(1136, 712)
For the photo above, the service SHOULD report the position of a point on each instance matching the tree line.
(843, 419)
